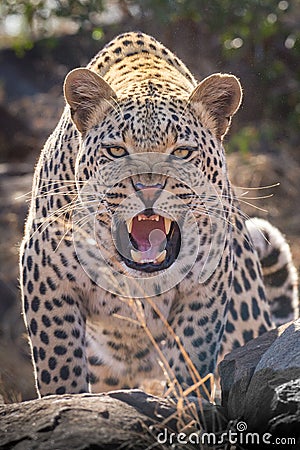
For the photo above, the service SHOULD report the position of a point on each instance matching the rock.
(261, 383)
(128, 419)
(284, 353)
(238, 367)
(72, 422)
(286, 403)
(277, 372)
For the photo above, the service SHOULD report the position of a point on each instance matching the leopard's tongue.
(149, 237)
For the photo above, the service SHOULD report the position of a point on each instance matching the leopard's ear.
(89, 96)
(215, 100)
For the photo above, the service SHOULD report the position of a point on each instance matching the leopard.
(137, 262)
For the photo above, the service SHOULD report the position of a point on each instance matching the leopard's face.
(148, 183)
(153, 193)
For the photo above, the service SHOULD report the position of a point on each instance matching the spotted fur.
(136, 98)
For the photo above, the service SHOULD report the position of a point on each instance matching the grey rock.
(261, 383)
(238, 367)
(284, 353)
(263, 405)
(277, 371)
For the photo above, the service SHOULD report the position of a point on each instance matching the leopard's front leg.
(55, 320)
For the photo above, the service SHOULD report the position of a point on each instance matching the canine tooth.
(136, 256)
(140, 217)
(168, 223)
(156, 217)
(161, 257)
(129, 225)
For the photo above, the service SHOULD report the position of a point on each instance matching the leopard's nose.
(148, 193)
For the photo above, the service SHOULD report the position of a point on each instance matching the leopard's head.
(151, 170)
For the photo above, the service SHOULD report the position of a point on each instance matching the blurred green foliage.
(258, 38)
(77, 9)
(36, 14)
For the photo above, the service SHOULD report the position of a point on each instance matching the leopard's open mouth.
(148, 241)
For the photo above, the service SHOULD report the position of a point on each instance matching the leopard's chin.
(148, 242)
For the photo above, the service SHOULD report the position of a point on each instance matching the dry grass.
(189, 413)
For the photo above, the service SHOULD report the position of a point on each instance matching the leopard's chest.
(109, 314)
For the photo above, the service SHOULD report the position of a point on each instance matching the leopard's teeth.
(161, 257)
(129, 225)
(168, 223)
(154, 217)
(136, 256)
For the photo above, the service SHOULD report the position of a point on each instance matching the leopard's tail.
(279, 273)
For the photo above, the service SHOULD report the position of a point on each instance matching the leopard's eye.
(182, 153)
(116, 152)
